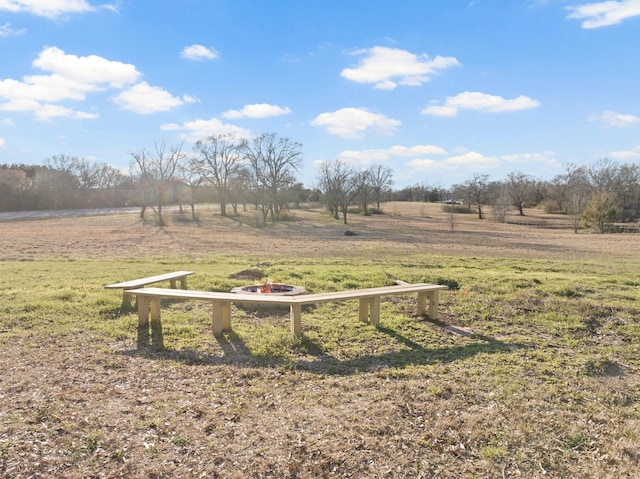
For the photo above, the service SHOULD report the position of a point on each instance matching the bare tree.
(13, 186)
(381, 178)
(219, 159)
(599, 211)
(521, 188)
(339, 186)
(475, 189)
(273, 162)
(501, 202)
(363, 185)
(156, 171)
(629, 193)
(189, 174)
(572, 191)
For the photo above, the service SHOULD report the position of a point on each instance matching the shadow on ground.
(308, 355)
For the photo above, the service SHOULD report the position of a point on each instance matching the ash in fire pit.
(271, 288)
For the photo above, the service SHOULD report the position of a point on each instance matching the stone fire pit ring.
(275, 289)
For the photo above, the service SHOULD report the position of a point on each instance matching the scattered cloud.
(70, 78)
(144, 98)
(472, 159)
(424, 164)
(257, 110)
(626, 155)
(49, 111)
(7, 31)
(613, 119)
(387, 154)
(50, 8)
(604, 14)
(355, 122)
(473, 100)
(388, 67)
(467, 161)
(2, 142)
(199, 52)
(89, 70)
(534, 163)
(197, 129)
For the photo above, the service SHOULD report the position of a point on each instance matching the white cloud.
(425, 164)
(386, 154)
(199, 52)
(613, 119)
(49, 111)
(144, 98)
(388, 67)
(2, 142)
(7, 31)
(355, 122)
(604, 14)
(470, 100)
(531, 158)
(257, 110)
(68, 77)
(49, 8)
(626, 155)
(472, 159)
(91, 69)
(197, 129)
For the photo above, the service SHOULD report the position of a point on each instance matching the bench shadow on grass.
(312, 357)
(414, 354)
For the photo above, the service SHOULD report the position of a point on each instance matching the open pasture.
(531, 371)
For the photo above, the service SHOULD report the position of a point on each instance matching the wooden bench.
(142, 282)
(368, 311)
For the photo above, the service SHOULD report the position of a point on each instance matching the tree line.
(262, 172)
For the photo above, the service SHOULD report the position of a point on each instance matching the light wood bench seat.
(142, 282)
(369, 303)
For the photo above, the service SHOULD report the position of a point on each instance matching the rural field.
(531, 371)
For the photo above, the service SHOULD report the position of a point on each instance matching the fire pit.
(276, 289)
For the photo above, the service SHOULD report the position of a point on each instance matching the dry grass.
(411, 399)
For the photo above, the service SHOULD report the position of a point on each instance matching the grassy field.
(531, 371)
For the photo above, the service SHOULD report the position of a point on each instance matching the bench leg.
(225, 313)
(422, 303)
(295, 314)
(143, 312)
(363, 310)
(157, 339)
(369, 310)
(183, 282)
(434, 299)
(172, 283)
(126, 301)
(374, 304)
(143, 321)
(216, 317)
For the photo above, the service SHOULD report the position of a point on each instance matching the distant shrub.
(450, 283)
(460, 209)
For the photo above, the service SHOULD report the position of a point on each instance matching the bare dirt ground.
(407, 227)
(73, 407)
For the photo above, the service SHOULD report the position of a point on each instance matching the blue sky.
(436, 90)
